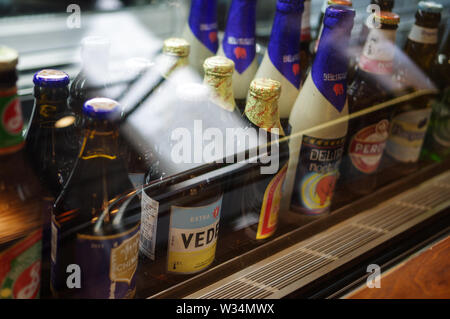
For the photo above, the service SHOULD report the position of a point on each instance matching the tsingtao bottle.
(315, 155)
(20, 195)
(261, 196)
(239, 45)
(95, 226)
(51, 143)
(410, 119)
(281, 61)
(372, 85)
(201, 32)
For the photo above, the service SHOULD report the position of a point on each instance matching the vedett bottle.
(305, 41)
(239, 45)
(261, 195)
(201, 32)
(372, 85)
(281, 61)
(21, 205)
(315, 156)
(410, 119)
(52, 144)
(94, 225)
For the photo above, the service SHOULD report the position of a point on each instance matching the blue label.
(203, 22)
(239, 40)
(317, 174)
(329, 70)
(284, 45)
(108, 264)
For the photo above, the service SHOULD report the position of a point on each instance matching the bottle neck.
(100, 141)
(50, 102)
(379, 51)
(284, 44)
(11, 121)
(203, 22)
(221, 90)
(329, 70)
(239, 42)
(263, 113)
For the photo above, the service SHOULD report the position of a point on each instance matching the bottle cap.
(51, 78)
(290, 5)
(347, 3)
(339, 14)
(176, 47)
(386, 17)
(265, 88)
(218, 66)
(8, 58)
(430, 6)
(101, 108)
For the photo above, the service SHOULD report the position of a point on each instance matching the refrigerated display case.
(303, 255)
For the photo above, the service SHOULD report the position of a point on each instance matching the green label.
(11, 121)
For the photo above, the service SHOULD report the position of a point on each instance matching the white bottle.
(201, 32)
(281, 61)
(315, 155)
(239, 45)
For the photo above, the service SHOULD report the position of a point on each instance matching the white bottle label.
(149, 223)
(407, 134)
(379, 51)
(423, 35)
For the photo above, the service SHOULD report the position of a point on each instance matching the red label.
(376, 66)
(367, 146)
(12, 118)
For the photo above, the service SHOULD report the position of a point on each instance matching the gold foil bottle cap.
(347, 3)
(218, 66)
(265, 88)
(8, 58)
(262, 104)
(176, 47)
(386, 17)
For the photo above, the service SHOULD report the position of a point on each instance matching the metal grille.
(269, 277)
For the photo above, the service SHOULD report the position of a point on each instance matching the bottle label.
(118, 255)
(378, 53)
(367, 146)
(317, 174)
(20, 268)
(268, 218)
(423, 35)
(203, 23)
(149, 223)
(11, 119)
(239, 42)
(306, 24)
(284, 46)
(193, 237)
(407, 135)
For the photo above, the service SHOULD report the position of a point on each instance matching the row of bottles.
(75, 146)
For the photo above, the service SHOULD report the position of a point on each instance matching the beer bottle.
(410, 119)
(281, 61)
(180, 222)
(437, 143)
(305, 41)
(316, 155)
(262, 193)
(175, 55)
(384, 5)
(372, 85)
(201, 32)
(325, 5)
(239, 45)
(95, 226)
(20, 195)
(51, 142)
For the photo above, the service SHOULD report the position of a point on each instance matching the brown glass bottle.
(410, 119)
(372, 85)
(21, 205)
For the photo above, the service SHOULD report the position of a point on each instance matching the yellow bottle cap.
(347, 3)
(386, 17)
(176, 47)
(218, 66)
(265, 88)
